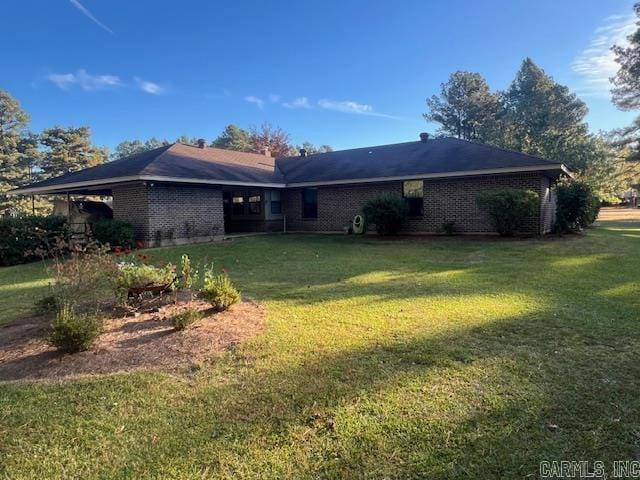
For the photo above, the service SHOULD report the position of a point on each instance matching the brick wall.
(131, 204)
(166, 214)
(445, 200)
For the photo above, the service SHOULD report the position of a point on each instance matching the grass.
(448, 358)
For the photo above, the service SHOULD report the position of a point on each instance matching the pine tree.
(466, 108)
(14, 165)
(626, 91)
(233, 138)
(68, 150)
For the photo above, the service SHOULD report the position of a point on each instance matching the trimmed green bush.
(387, 212)
(183, 319)
(577, 206)
(219, 291)
(24, 239)
(508, 208)
(449, 228)
(116, 233)
(71, 332)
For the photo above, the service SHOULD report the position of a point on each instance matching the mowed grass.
(449, 358)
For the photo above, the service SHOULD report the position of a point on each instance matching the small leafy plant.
(72, 332)
(186, 318)
(189, 274)
(219, 291)
(132, 275)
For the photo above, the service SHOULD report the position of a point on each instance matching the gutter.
(65, 187)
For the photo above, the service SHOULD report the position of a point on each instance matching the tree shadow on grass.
(483, 402)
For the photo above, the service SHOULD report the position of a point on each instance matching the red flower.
(127, 251)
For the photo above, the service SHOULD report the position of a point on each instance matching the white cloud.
(149, 87)
(273, 98)
(255, 100)
(84, 80)
(300, 102)
(596, 64)
(85, 11)
(350, 106)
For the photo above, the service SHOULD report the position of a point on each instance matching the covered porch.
(252, 210)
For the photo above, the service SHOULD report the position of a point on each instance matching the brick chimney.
(202, 143)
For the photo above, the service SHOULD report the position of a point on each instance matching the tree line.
(27, 157)
(537, 115)
(233, 137)
(534, 115)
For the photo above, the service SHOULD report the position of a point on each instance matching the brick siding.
(445, 200)
(166, 214)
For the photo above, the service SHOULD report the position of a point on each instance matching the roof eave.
(111, 182)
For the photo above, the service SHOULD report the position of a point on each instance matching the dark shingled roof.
(180, 161)
(210, 165)
(440, 155)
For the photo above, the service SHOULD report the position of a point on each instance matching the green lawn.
(449, 358)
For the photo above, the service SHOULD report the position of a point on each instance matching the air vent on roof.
(202, 143)
(424, 136)
(303, 152)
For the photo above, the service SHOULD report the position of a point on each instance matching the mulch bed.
(144, 340)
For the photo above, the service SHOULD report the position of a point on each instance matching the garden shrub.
(46, 305)
(183, 319)
(24, 239)
(139, 275)
(508, 208)
(387, 212)
(72, 332)
(449, 228)
(116, 233)
(83, 276)
(219, 291)
(577, 206)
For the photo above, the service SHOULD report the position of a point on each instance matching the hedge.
(24, 239)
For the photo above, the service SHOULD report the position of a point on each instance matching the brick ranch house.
(185, 194)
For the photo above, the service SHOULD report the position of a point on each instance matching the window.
(412, 191)
(276, 202)
(238, 203)
(309, 203)
(255, 204)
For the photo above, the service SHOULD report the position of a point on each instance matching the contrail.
(89, 15)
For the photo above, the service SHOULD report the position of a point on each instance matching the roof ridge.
(223, 150)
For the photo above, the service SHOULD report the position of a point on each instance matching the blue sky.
(348, 73)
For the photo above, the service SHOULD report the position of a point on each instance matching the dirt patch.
(141, 341)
